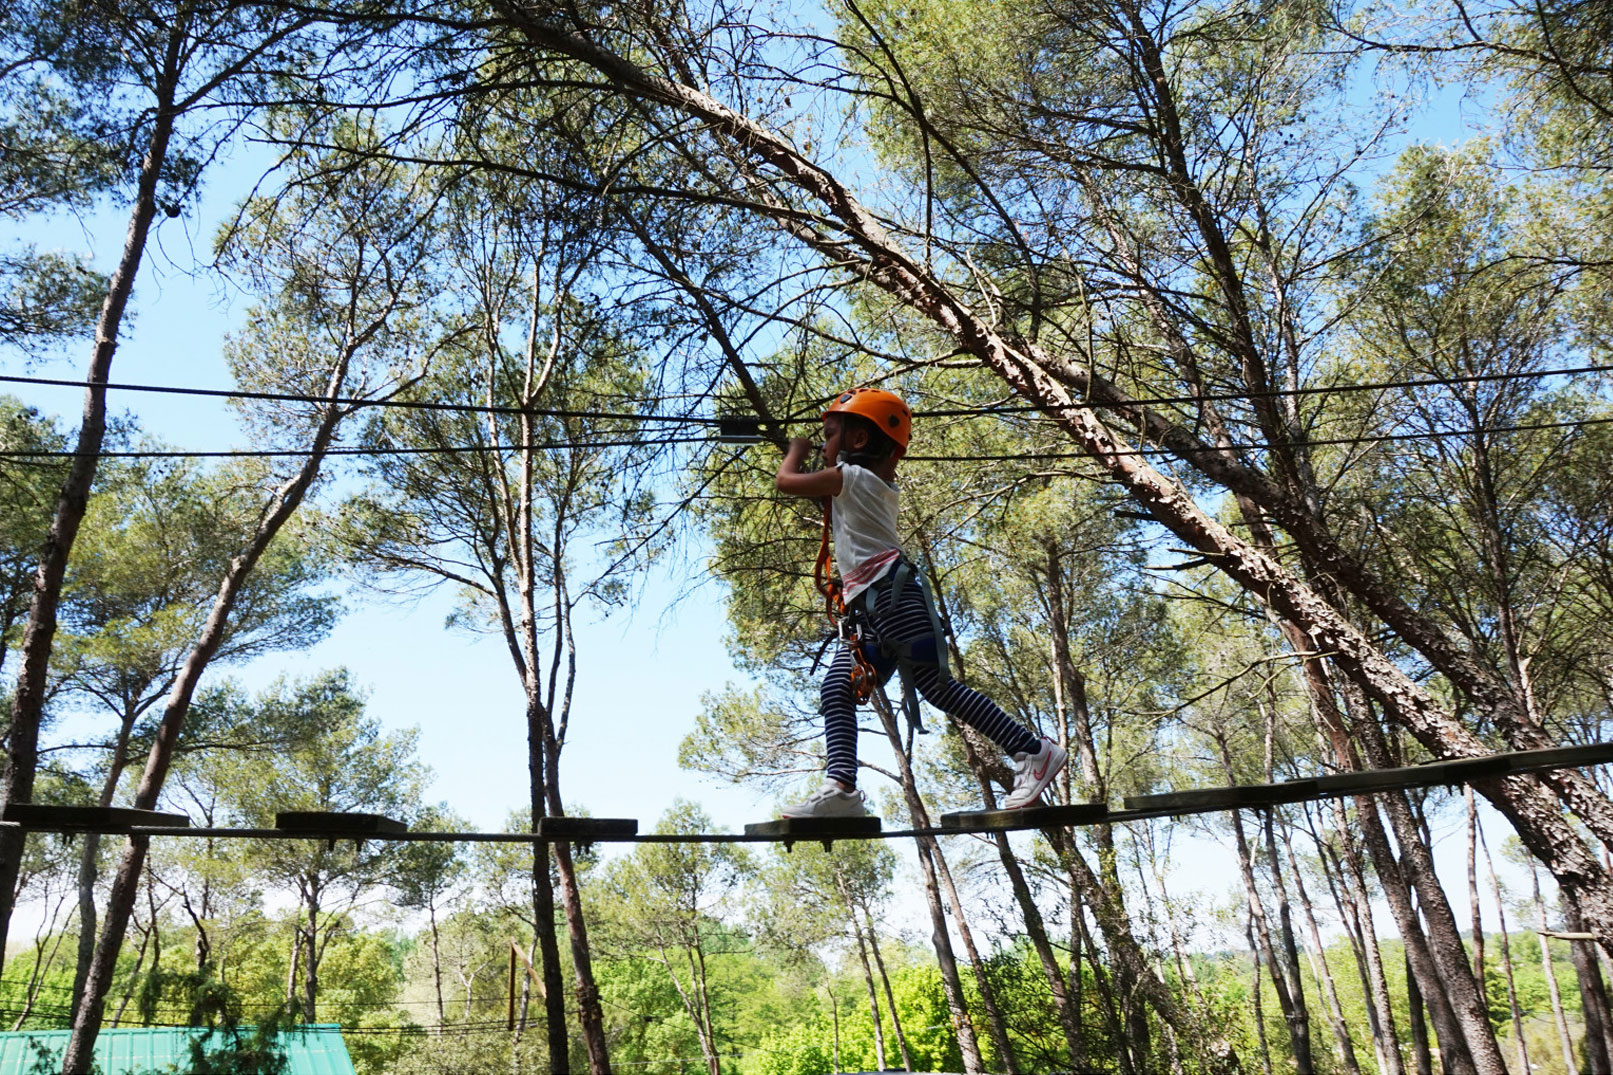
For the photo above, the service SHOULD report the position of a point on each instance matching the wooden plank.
(1199, 800)
(587, 828)
(1461, 770)
(334, 823)
(1448, 771)
(790, 829)
(1029, 817)
(107, 819)
(1530, 761)
(1365, 781)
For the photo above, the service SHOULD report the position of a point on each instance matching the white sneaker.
(1033, 773)
(828, 801)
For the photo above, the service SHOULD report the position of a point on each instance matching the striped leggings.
(908, 621)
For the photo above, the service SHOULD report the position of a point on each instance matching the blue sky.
(641, 672)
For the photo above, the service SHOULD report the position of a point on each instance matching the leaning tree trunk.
(28, 697)
(120, 901)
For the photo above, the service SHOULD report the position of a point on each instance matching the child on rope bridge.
(866, 433)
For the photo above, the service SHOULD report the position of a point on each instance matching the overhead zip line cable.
(1232, 397)
(1008, 457)
(358, 402)
(297, 453)
(811, 414)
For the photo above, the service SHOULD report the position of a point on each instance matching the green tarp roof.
(310, 1050)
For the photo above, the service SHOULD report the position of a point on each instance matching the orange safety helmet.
(885, 409)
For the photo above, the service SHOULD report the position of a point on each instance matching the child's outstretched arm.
(791, 479)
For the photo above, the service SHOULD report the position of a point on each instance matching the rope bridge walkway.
(111, 821)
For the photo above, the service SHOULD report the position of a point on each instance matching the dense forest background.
(1259, 435)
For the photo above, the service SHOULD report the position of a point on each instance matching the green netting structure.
(317, 1049)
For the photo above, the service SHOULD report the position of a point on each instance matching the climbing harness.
(852, 625)
(864, 676)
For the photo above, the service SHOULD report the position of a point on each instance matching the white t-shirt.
(864, 518)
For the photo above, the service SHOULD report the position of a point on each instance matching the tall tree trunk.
(293, 963)
(1285, 985)
(1549, 971)
(1420, 959)
(1474, 915)
(1255, 988)
(1421, 1056)
(543, 910)
(890, 996)
(873, 990)
(436, 963)
(1075, 733)
(28, 697)
(90, 853)
(1386, 1039)
(1450, 988)
(1506, 959)
(1364, 959)
(940, 937)
(88, 874)
(1077, 977)
(1063, 1005)
(1592, 993)
(1130, 1059)
(1285, 924)
(703, 1024)
(1324, 974)
(988, 993)
(589, 1011)
(310, 961)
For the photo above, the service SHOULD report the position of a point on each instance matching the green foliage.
(46, 298)
(27, 493)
